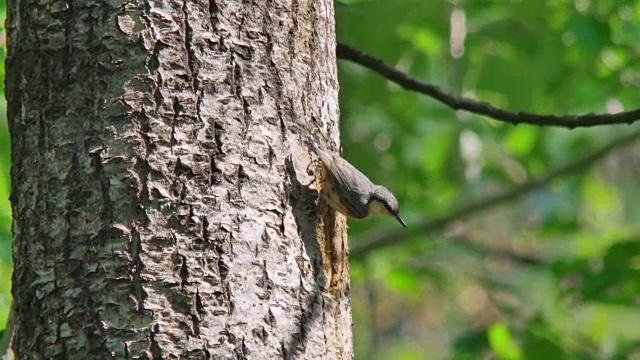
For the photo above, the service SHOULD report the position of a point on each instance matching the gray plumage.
(351, 192)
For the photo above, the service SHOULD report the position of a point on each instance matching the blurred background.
(522, 240)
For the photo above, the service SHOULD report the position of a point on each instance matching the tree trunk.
(158, 170)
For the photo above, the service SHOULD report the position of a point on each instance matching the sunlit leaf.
(422, 38)
(502, 342)
(403, 280)
(598, 195)
(521, 140)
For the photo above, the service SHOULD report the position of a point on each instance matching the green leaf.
(540, 342)
(521, 140)
(502, 342)
(403, 280)
(422, 38)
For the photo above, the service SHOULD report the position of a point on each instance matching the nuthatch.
(350, 192)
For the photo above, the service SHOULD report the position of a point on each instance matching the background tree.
(523, 239)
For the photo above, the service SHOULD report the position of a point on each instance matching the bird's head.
(383, 203)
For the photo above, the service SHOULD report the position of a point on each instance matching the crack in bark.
(135, 270)
(176, 113)
(154, 346)
(213, 15)
(188, 47)
(103, 180)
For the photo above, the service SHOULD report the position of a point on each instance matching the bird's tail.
(324, 156)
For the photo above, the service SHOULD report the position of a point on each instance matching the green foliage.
(551, 274)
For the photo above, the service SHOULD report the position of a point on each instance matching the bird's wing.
(353, 185)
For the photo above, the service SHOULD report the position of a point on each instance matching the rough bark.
(157, 166)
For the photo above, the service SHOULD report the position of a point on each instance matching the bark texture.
(157, 161)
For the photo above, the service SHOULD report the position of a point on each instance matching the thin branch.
(376, 239)
(480, 107)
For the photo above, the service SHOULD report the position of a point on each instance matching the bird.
(349, 191)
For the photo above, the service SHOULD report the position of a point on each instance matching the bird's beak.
(400, 220)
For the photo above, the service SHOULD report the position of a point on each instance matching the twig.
(376, 239)
(480, 107)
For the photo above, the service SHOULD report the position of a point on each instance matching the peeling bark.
(158, 170)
